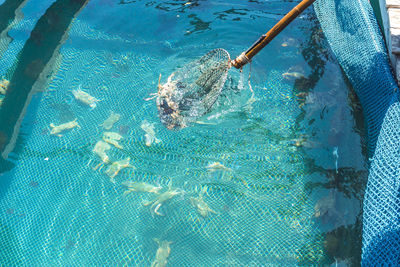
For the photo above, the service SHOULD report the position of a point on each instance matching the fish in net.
(191, 91)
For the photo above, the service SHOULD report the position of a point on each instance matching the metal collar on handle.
(240, 61)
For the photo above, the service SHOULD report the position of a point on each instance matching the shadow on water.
(341, 239)
(10, 13)
(33, 62)
(35, 56)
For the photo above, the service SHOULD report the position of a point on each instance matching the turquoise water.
(294, 176)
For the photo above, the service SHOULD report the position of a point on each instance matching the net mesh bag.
(191, 90)
(353, 34)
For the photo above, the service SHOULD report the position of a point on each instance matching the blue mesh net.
(354, 36)
(59, 210)
(84, 219)
(381, 237)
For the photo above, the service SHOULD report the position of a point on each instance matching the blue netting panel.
(381, 236)
(354, 36)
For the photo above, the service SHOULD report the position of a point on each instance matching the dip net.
(192, 90)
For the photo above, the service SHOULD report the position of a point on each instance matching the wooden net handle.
(245, 57)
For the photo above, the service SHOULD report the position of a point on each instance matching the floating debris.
(112, 138)
(150, 133)
(100, 150)
(140, 187)
(56, 130)
(202, 207)
(116, 167)
(217, 166)
(162, 253)
(3, 86)
(109, 122)
(85, 98)
(159, 200)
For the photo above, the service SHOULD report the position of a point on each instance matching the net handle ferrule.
(245, 57)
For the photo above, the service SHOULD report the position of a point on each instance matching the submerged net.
(60, 211)
(191, 91)
(353, 34)
(61, 207)
(57, 208)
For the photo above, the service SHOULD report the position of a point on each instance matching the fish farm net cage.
(356, 40)
(82, 217)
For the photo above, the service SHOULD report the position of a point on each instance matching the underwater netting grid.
(60, 210)
(381, 238)
(353, 34)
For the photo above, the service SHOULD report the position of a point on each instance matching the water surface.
(292, 189)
